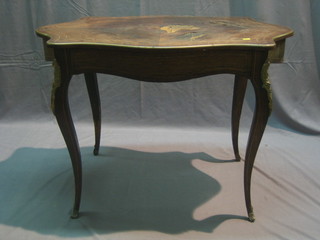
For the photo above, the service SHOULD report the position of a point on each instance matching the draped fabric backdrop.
(186, 122)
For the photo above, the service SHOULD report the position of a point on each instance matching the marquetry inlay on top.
(164, 32)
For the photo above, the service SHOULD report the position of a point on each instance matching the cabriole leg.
(262, 111)
(240, 85)
(61, 110)
(93, 91)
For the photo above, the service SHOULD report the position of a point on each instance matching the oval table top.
(164, 32)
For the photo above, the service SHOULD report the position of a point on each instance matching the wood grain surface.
(164, 32)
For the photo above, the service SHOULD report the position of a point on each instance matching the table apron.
(161, 65)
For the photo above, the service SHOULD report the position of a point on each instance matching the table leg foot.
(96, 151)
(251, 216)
(75, 214)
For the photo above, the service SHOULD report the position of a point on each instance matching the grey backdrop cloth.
(165, 170)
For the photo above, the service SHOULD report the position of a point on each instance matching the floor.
(157, 183)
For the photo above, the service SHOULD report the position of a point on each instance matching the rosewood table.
(163, 49)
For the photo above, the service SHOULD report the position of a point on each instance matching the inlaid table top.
(165, 32)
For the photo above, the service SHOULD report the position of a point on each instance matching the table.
(164, 49)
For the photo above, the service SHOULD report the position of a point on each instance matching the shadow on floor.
(123, 190)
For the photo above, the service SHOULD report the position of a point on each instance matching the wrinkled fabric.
(165, 170)
(25, 74)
